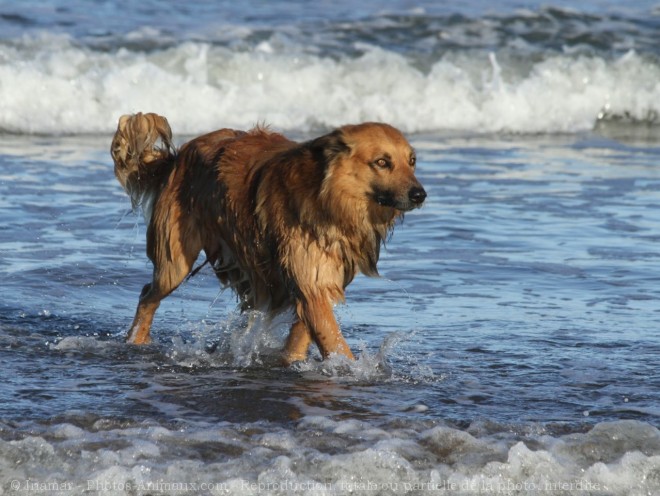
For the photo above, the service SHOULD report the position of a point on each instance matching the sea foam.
(51, 85)
(404, 457)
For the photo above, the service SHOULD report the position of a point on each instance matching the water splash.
(253, 339)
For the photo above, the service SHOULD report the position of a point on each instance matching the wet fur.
(285, 224)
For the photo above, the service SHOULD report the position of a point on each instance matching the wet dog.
(285, 224)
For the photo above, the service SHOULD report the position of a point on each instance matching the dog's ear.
(327, 148)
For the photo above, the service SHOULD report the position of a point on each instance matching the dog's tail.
(142, 151)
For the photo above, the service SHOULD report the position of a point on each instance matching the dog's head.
(372, 162)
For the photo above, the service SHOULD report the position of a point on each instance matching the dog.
(287, 225)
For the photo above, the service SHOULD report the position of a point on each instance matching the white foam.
(320, 455)
(50, 85)
(68, 431)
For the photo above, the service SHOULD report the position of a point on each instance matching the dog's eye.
(413, 161)
(382, 163)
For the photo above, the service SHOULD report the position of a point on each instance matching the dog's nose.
(417, 195)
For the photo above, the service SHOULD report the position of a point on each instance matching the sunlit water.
(511, 344)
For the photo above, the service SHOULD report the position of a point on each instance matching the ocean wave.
(52, 85)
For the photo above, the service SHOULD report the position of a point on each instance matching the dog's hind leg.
(172, 263)
(166, 279)
(144, 316)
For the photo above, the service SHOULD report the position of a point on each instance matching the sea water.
(510, 345)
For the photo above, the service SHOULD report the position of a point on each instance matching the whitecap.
(200, 87)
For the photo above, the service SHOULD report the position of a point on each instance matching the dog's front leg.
(316, 313)
(297, 344)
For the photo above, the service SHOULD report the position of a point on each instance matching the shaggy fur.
(285, 224)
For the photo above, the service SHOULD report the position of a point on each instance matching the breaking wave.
(53, 85)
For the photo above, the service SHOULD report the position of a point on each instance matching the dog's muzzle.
(417, 195)
(387, 198)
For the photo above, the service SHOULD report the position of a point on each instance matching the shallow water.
(514, 326)
(510, 346)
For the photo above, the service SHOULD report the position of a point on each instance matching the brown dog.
(284, 224)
